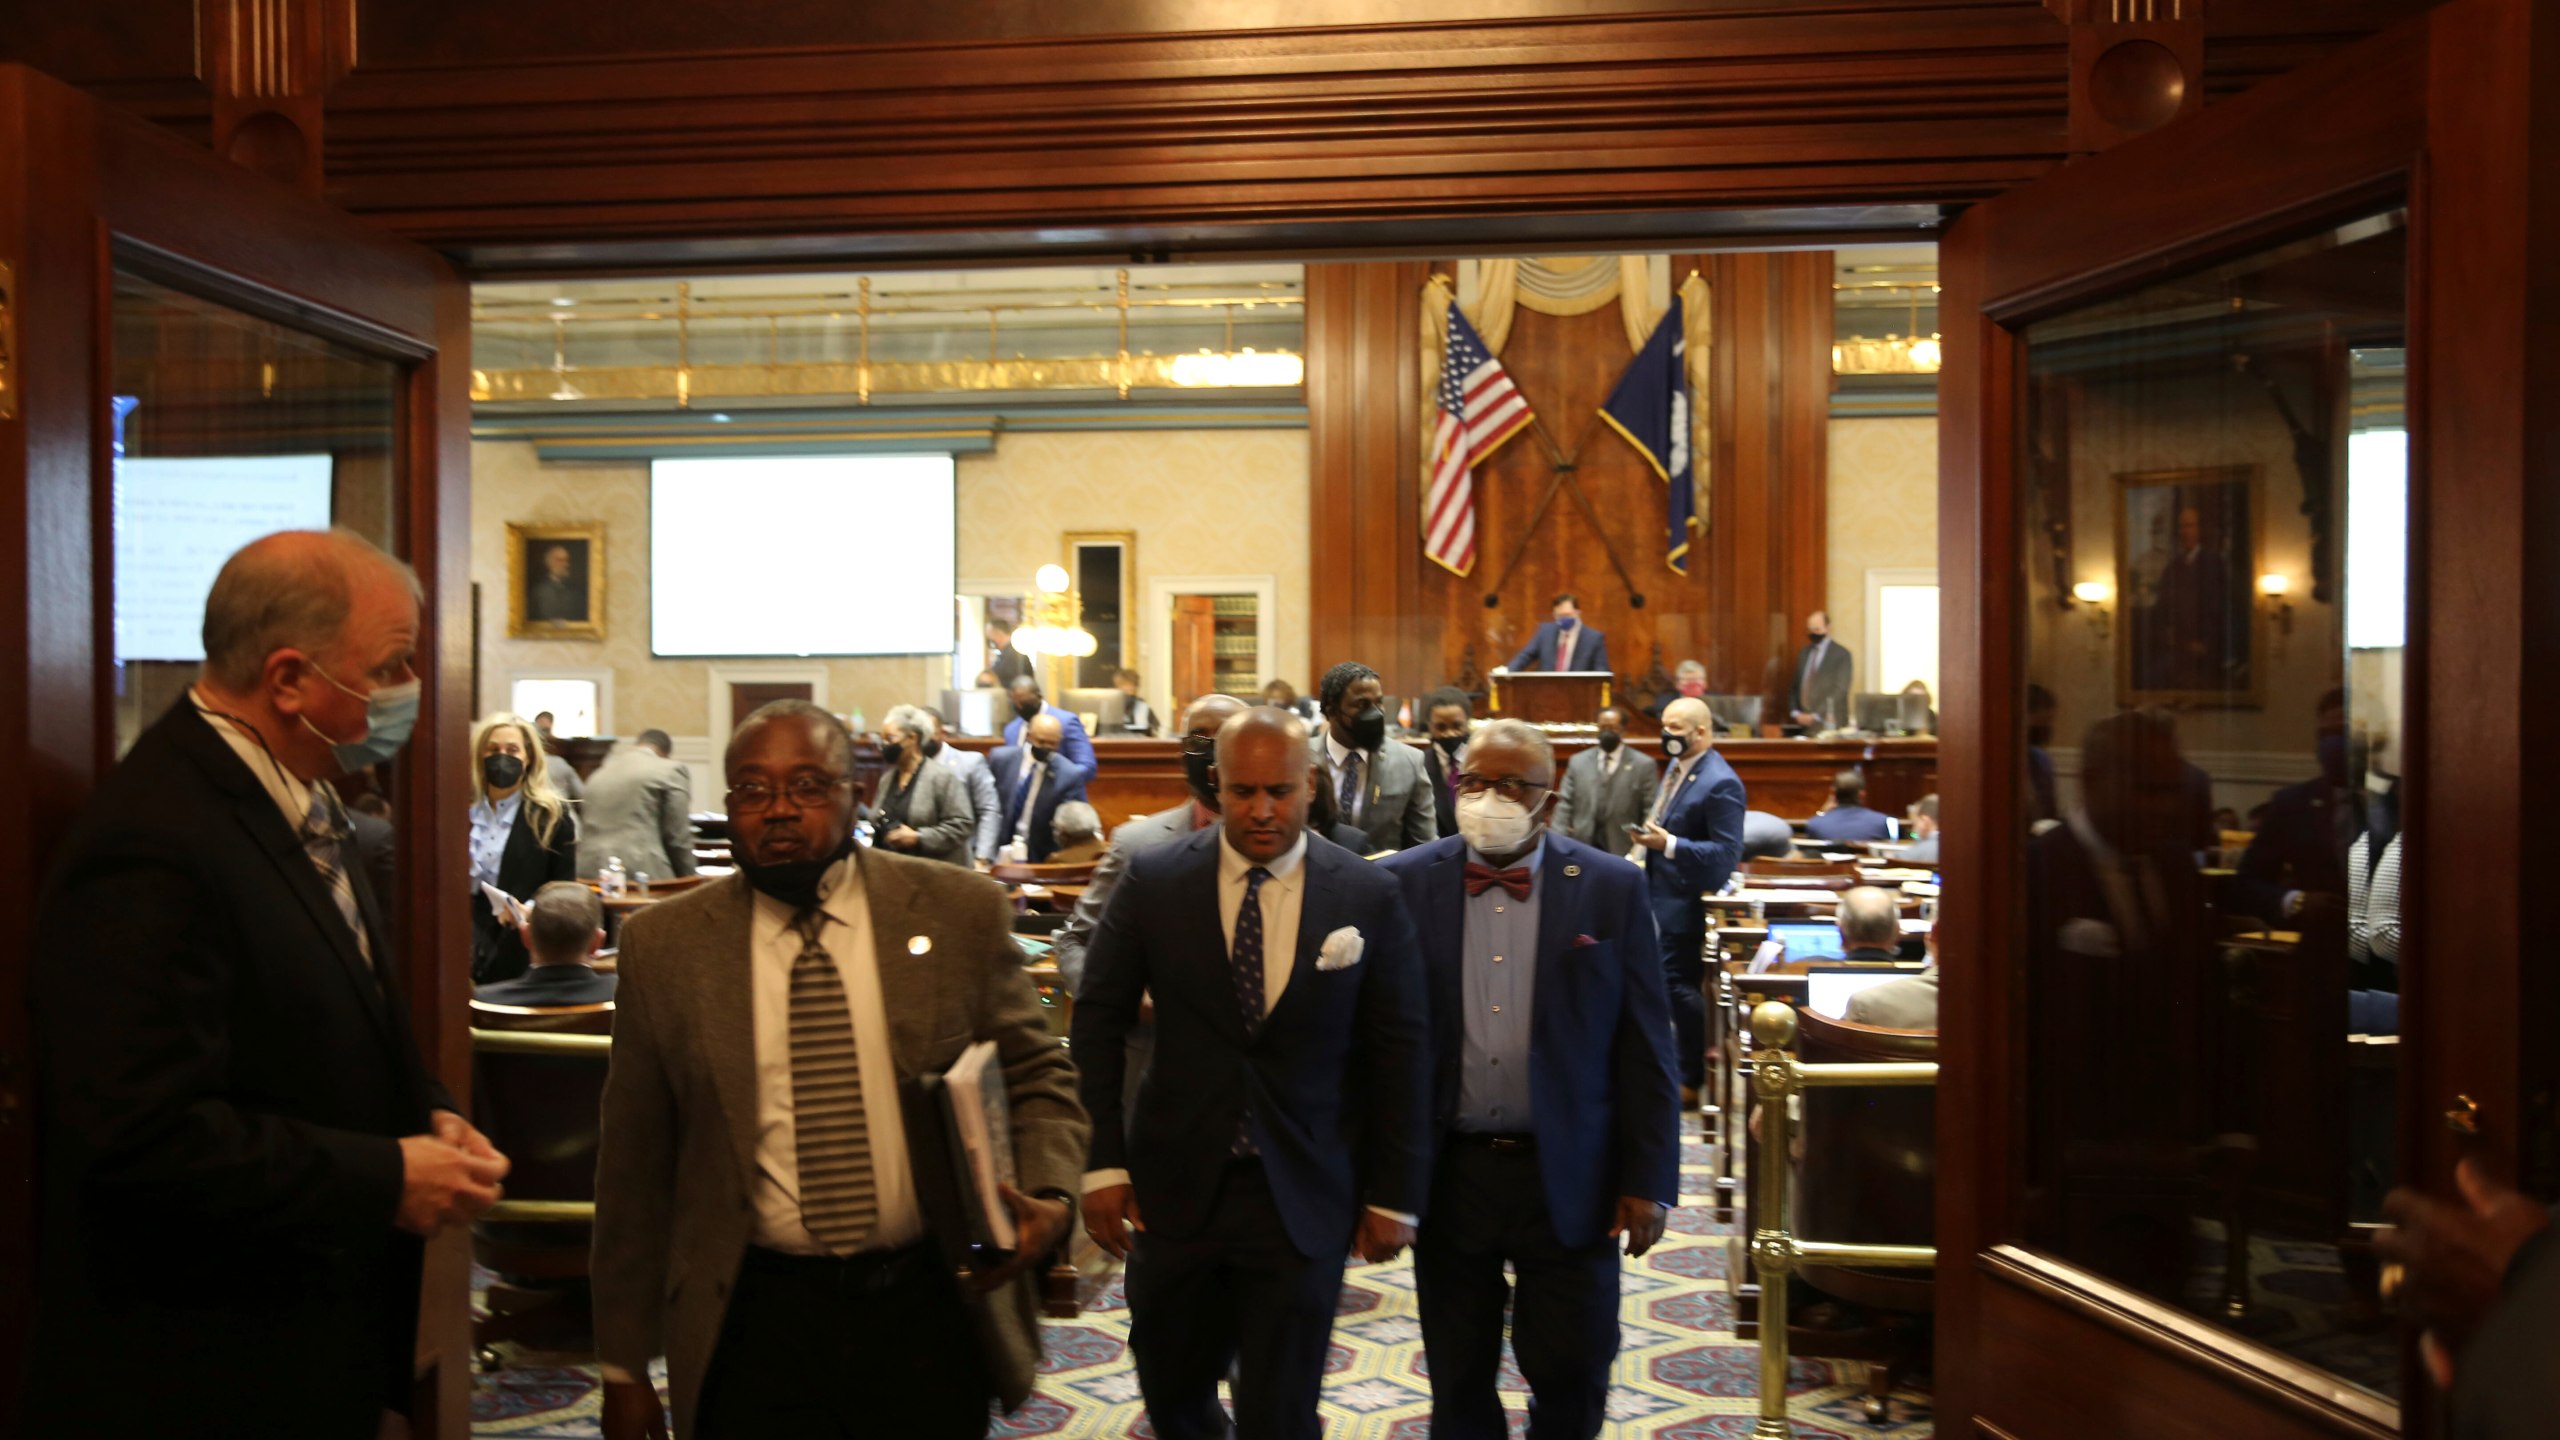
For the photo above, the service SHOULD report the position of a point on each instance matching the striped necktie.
(839, 1198)
(323, 839)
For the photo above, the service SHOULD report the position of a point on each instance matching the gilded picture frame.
(2188, 554)
(555, 580)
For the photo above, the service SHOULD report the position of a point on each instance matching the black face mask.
(1199, 770)
(1449, 744)
(1368, 729)
(1674, 746)
(891, 752)
(1027, 708)
(1610, 740)
(932, 747)
(1814, 637)
(793, 882)
(501, 771)
(1040, 754)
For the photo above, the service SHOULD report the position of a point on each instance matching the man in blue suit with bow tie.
(1692, 843)
(1286, 982)
(1555, 1112)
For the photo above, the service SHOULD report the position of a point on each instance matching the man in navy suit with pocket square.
(1555, 1109)
(1283, 1121)
(1692, 842)
(1564, 642)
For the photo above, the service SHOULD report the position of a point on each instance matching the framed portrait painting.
(555, 581)
(2187, 551)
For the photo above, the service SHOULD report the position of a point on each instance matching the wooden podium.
(1563, 697)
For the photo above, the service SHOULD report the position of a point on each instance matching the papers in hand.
(981, 1134)
(511, 912)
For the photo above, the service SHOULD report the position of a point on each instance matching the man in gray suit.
(1148, 832)
(1607, 789)
(1909, 1004)
(640, 807)
(759, 1220)
(1818, 688)
(972, 769)
(1379, 789)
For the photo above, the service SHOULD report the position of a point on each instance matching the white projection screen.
(802, 555)
(178, 518)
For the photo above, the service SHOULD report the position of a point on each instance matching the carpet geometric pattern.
(1680, 1373)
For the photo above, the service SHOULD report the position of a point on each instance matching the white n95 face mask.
(1493, 825)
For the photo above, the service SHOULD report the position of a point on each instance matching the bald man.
(1286, 981)
(1034, 778)
(241, 1147)
(1200, 726)
(1690, 843)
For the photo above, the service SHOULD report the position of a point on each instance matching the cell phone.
(1635, 829)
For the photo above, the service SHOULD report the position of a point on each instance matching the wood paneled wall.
(548, 133)
(1751, 580)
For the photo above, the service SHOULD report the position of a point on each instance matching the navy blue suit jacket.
(1074, 744)
(1590, 649)
(1707, 816)
(1335, 1083)
(1847, 822)
(1065, 783)
(1603, 1095)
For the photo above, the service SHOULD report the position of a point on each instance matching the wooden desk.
(1789, 778)
(1562, 697)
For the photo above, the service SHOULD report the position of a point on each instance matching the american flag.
(1479, 409)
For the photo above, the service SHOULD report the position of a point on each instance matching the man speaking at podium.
(1564, 643)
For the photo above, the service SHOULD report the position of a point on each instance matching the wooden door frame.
(97, 188)
(2439, 112)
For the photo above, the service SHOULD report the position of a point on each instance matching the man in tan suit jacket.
(788, 1305)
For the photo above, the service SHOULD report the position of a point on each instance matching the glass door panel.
(2213, 546)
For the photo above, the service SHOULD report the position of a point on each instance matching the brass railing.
(1776, 1079)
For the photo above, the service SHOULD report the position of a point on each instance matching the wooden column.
(1363, 444)
(1767, 530)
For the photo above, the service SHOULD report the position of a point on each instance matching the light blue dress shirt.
(489, 831)
(1500, 951)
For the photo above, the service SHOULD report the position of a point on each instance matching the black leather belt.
(868, 1270)
(1518, 1144)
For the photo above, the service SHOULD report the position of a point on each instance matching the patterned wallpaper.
(1883, 514)
(1226, 502)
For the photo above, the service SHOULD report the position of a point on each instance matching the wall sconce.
(2092, 596)
(2272, 588)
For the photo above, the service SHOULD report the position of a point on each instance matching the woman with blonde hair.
(522, 838)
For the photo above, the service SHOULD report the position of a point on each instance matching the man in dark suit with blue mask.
(1692, 844)
(1554, 1106)
(1564, 642)
(1286, 981)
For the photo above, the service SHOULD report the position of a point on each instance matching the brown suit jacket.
(677, 1157)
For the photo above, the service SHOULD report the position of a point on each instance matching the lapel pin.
(1572, 870)
(919, 944)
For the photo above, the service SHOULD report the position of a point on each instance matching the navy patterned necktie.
(1350, 796)
(1247, 954)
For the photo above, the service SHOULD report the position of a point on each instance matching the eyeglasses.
(1514, 791)
(806, 792)
(1199, 744)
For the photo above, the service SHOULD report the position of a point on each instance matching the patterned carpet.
(1680, 1375)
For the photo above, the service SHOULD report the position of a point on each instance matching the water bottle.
(640, 882)
(613, 879)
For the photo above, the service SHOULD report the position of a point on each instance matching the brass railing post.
(1776, 1079)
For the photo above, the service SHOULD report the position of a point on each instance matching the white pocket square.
(1341, 949)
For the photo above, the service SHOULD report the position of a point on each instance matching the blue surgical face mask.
(1566, 622)
(390, 713)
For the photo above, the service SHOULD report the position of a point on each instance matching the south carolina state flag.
(1651, 408)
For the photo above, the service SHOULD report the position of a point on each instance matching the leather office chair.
(538, 1087)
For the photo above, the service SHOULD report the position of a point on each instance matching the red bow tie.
(1481, 878)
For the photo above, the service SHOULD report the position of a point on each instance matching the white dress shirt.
(1283, 899)
(293, 797)
(773, 948)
